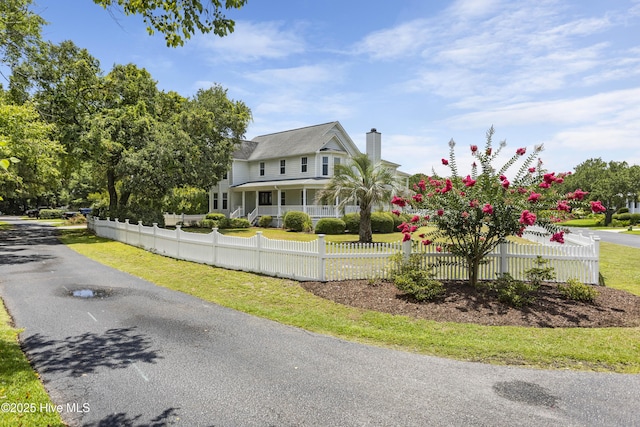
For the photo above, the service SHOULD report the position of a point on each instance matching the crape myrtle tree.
(472, 215)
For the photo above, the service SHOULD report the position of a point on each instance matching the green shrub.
(410, 278)
(622, 210)
(540, 273)
(330, 226)
(218, 220)
(265, 221)
(635, 219)
(515, 293)
(297, 221)
(578, 291)
(239, 223)
(624, 216)
(51, 213)
(77, 219)
(352, 223)
(381, 222)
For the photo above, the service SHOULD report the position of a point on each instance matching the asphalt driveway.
(125, 352)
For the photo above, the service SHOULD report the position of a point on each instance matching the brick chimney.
(374, 145)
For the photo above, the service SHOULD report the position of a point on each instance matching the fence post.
(155, 229)
(596, 250)
(258, 250)
(322, 260)
(406, 250)
(504, 259)
(214, 233)
(178, 231)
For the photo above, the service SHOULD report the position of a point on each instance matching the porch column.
(244, 210)
(304, 199)
(279, 206)
(257, 203)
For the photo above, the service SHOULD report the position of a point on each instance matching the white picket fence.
(327, 261)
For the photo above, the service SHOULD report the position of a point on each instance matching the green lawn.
(285, 301)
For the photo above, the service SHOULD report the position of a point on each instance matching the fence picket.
(327, 261)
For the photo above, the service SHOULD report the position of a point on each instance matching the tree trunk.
(365, 226)
(474, 271)
(113, 193)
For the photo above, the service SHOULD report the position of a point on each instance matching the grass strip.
(285, 301)
(23, 398)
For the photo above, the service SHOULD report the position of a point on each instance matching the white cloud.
(302, 75)
(397, 42)
(252, 41)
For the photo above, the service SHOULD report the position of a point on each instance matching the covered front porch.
(276, 198)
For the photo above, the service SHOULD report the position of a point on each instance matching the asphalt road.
(611, 236)
(140, 355)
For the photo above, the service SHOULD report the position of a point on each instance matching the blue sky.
(564, 73)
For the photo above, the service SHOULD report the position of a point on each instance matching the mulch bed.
(465, 304)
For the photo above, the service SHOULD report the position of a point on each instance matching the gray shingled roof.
(291, 142)
(244, 150)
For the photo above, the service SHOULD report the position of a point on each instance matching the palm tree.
(365, 183)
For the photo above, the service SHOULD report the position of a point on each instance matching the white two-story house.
(284, 171)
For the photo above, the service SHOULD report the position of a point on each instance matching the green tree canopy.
(180, 19)
(612, 183)
(26, 137)
(19, 30)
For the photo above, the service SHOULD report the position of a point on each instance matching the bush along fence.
(327, 261)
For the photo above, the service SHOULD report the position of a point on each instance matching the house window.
(325, 165)
(215, 201)
(303, 164)
(282, 167)
(283, 199)
(264, 198)
(261, 168)
(336, 161)
(226, 175)
(224, 201)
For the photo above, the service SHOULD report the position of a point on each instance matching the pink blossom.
(395, 212)
(544, 184)
(445, 162)
(488, 151)
(521, 151)
(488, 209)
(404, 227)
(533, 197)
(468, 181)
(398, 201)
(439, 248)
(527, 218)
(596, 207)
(427, 218)
(448, 185)
(415, 218)
(549, 178)
(426, 242)
(465, 214)
(532, 170)
(563, 206)
(406, 236)
(474, 148)
(422, 185)
(440, 212)
(558, 237)
(422, 235)
(474, 203)
(578, 194)
(462, 194)
(418, 198)
(412, 228)
(559, 180)
(503, 177)
(522, 190)
(505, 183)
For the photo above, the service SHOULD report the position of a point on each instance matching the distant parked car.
(86, 211)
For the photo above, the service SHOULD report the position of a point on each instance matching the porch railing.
(314, 211)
